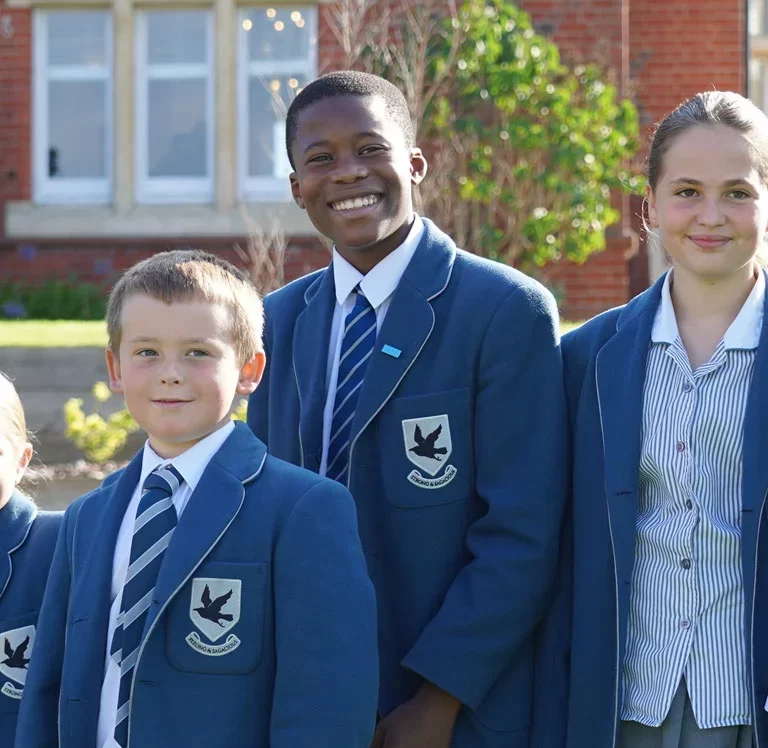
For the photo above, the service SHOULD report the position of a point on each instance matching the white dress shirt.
(191, 465)
(686, 616)
(378, 285)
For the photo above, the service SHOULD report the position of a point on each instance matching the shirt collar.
(190, 463)
(381, 281)
(665, 324)
(743, 332)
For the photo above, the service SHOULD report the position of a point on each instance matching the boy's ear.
(250, 373)
(418, 165)
(113, 369)
(296, 190)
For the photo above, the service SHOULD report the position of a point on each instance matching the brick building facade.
(661, 51)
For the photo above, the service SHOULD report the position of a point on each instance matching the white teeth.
(358, 202)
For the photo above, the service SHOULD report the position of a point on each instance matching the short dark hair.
(349, 83)
(186, 275)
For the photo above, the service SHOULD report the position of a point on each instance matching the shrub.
(53, 299)
(99, 438)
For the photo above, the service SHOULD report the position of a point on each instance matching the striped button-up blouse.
(686, 617)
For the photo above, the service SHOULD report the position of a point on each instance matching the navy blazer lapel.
(16, 519)
(91, 596)
(212, 507)
(311, 335)
(104, 516)
(620, 379)
(755, 458)
(407, 326)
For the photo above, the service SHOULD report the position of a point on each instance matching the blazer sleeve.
(553, 653)
(38, 721)
(498, 598)
(553, 643)
(326, 686)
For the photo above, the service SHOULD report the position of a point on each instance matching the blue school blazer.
(460, 544)
(27, 540)
(294, 668)
(605, 362)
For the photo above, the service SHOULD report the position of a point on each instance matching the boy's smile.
(354, 174)
(178, 370)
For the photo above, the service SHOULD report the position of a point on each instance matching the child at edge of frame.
(27, 539)
(208, 594)
(428, 381)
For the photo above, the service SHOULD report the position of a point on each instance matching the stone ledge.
(27, 220)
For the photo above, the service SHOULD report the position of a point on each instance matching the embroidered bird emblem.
(211, 609)
(15, 657)
(425, 447)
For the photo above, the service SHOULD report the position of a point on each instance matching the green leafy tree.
(525, 152)
(539, 146)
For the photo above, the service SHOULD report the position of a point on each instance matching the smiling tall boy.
(208, 594)
(428, 381)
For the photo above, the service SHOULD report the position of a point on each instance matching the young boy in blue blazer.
(208, 594)
(427, 381)
(27, 540)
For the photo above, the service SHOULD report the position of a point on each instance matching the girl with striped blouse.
(668, 396)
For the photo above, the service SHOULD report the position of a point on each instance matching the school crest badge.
(428, 446)
(215, 611)
(14, 659)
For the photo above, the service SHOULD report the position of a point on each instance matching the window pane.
(758, 20)
(177, 37)
(76, 129)
(77, 38)
(757, 83)
(268, 101)
(278, 34)
(177, 128)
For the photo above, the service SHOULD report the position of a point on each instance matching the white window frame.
(275, 187)
(154, 190)
(68, 190)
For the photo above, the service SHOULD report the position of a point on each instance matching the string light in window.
(293, 83)
(279, 25)
(275, 85)
(247, 24)
(271, 12)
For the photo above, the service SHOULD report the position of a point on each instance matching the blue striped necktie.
(154, 525)
(356, 349)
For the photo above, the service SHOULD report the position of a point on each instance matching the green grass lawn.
(30, 333)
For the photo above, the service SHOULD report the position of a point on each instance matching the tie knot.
(164, 477)
(361, 301)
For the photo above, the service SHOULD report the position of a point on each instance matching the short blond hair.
(12, 413)
(189, 275)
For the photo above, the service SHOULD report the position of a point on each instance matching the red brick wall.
(15, 105)
(100, 261)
